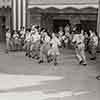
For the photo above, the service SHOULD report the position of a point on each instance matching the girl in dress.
(9, 44)
(16, 40)
(54, 50)
(45, 46)
(60, 34)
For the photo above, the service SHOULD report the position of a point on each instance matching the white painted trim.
(64, 6)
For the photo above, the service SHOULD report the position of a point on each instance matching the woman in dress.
(54, 50)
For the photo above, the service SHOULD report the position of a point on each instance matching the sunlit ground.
(22, 78)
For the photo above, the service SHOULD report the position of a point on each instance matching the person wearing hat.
(78, 41)
(8, 40)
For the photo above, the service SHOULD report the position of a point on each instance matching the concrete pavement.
(22, 78)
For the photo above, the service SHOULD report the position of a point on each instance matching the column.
(98, 20)
(19, 14)
(28, 18)
(19, 11)
(24, 13)
(98, 27)
(14, 14)
(8, 20)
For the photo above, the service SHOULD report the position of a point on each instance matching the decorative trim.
(64, 6)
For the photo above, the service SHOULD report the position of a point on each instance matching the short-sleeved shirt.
(55, 42)
(28, 37)
(78, 38)
(16, 36)
(8, 35)
(94, 40)
(35, 37)
(60, 33)
(47, 39)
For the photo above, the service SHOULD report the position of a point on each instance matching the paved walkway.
(22, 78)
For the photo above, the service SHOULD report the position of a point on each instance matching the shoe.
(41, 61)
(29, 56)
(6, 52)
(93, 58)
(81, 62)
(26, 54)
(37, 58)
(33, 57)
(49, 60)
(55, 63)
(98, 77)
(84, 64)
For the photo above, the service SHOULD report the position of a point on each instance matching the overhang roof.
(62, 3)
(43, 2)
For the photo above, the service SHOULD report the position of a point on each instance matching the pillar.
(8, 18)
(14, 14)
(98, 27)
(98, 20)
(19, 9)
(28, 18)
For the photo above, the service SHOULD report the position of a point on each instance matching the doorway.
(89, 24)
(59, 22)
(2, 27)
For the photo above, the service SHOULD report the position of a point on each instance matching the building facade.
(5, 16)
(51, 13)
(47, 13)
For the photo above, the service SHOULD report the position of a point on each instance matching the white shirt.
(55, 42)
(8, 35)
(94, 40)
(22, 33)
(28, 37)
(16, 36)
(35, 37)
(60, 33)
(78, 38)
(47, 39)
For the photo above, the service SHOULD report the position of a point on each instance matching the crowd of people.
(39, 44)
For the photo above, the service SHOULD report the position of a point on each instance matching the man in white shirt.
(78, 41)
